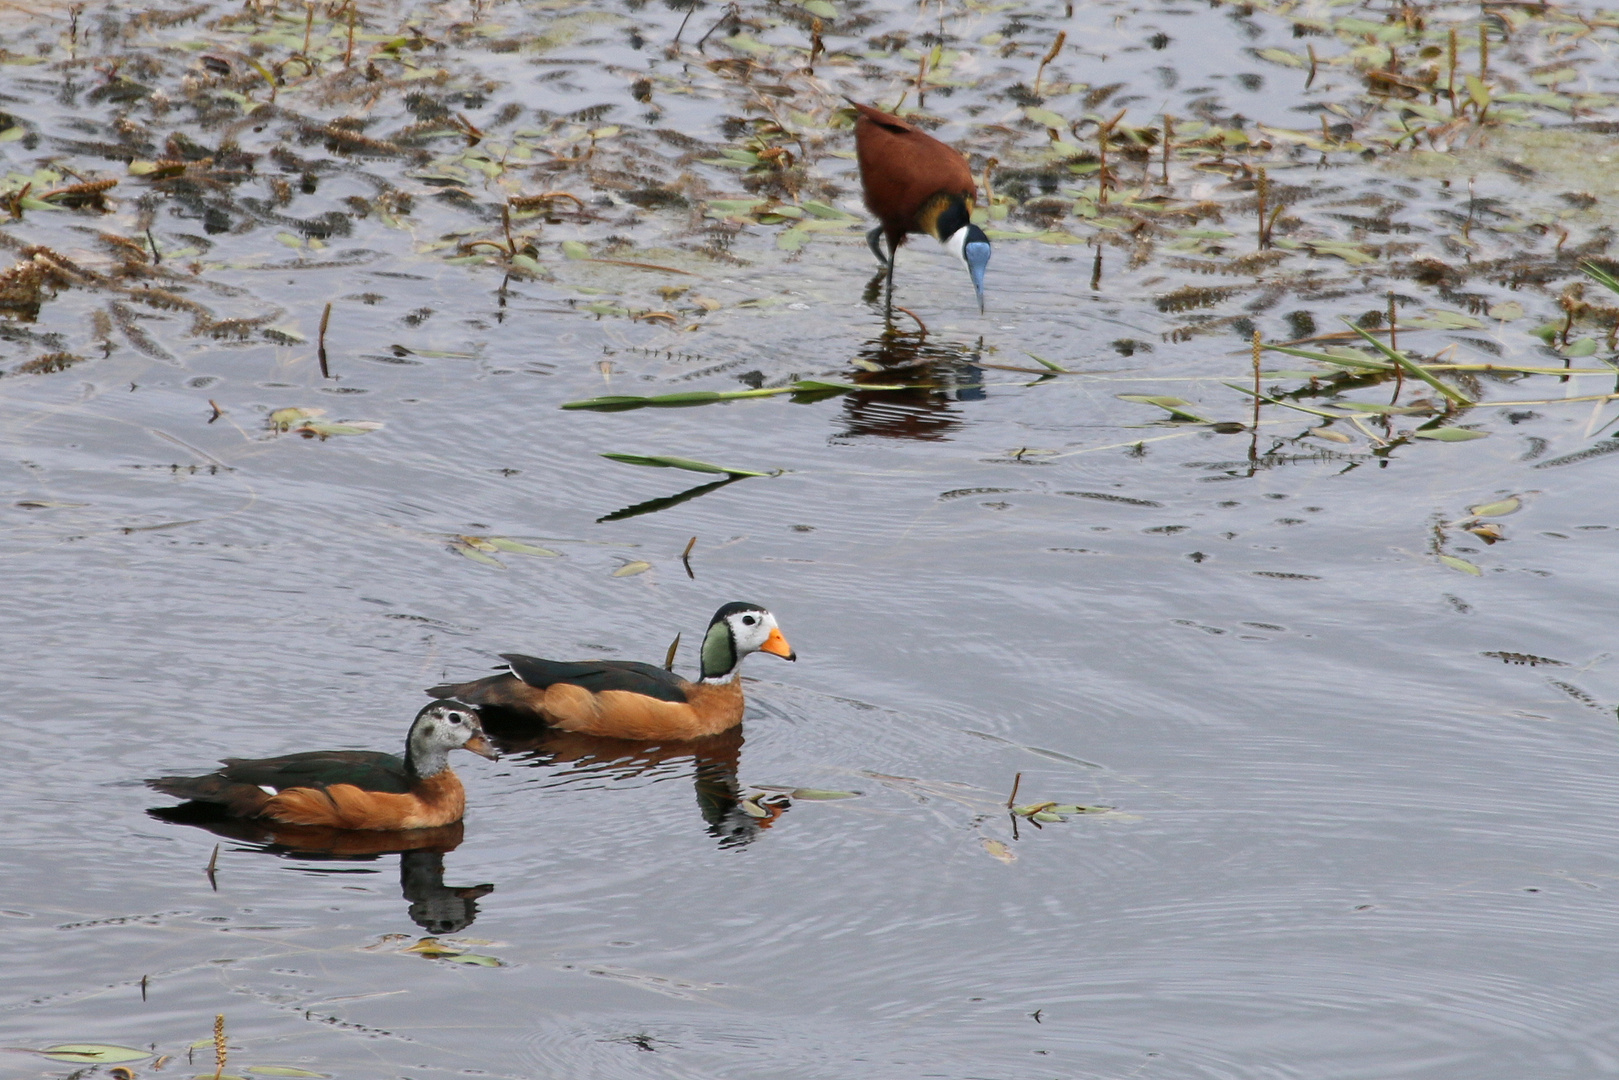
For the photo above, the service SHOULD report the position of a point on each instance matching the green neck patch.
(719, 652)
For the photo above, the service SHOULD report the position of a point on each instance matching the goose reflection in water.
(434, 906)
(731, 816)
(945, 373)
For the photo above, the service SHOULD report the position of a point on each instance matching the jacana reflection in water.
(434, 906)
(947, 374)
(594, 761)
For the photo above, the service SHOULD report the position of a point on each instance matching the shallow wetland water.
(1336, 695)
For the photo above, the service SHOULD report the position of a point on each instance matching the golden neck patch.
(943, 214)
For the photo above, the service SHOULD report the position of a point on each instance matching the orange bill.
(479, 745)
(777, 644)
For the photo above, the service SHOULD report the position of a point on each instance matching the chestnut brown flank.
(437, 800)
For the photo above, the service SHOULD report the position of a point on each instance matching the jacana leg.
(888, 310)
(874, 240)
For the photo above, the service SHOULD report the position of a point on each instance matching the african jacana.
(916, 184)
(350, 789)
(623, 699)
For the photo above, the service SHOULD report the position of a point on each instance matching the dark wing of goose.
(365, 769)
(599, 675)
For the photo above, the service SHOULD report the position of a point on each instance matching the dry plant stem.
(325, 319)
(1483, 53)
(348, 54)
(1017, 782)
(1263, 189)
(1258, 348)
(1169, 134)
(669, 657)
(213, 864)
(922, 326)
(221, 1052)
(1051, 54)
(1451, 78)
(1096, 269)
(989, 192)
(685, 557)
(309, 23)
(1310, 48)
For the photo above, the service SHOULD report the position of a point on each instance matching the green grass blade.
(1412, 368)
(657, 461)
(1600, 276)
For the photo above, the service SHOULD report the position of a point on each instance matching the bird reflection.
(947, 370)
(434, 906)
(731, 816)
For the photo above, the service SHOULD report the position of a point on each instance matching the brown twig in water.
(143, 987)
(213, 864)
(157, 256)
(731, 13)
(1096, 268)
(1169, 135)
(218, 412)
(320, 350)
(669, 657)
(817, 46)
(1262, 190)
(1483, 54)
(1017, 782)
(1051, 54)
(348, 54)
(1450, 81)
(920, 324)
(1310, 48)
(685, 557)
(309, 23)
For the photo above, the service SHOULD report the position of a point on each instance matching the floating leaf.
(1047, 816)
(1283, 57)
(473, 552)
(660, 462)
(282, 419)
(1461, 564)
(325, 428)
(1176, 407)
(826, 211)
(477, 959)
(1450, 434)
(1329, 434)
(96, 1053)
(821, 794)
(1500, 508)
(823, 8)
(1583, 347)
(998, 850)
(1046, 118)
(1506, 311)
(516, 548)
(630, 569)
(574, 249)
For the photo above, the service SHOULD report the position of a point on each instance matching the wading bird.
(916, 184)
(350, 789)
(623, 699)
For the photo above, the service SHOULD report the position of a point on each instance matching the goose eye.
(457, 718)
(748, 620)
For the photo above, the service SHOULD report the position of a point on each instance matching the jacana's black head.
(951, 223)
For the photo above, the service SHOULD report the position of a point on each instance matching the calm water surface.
(1363, 803)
